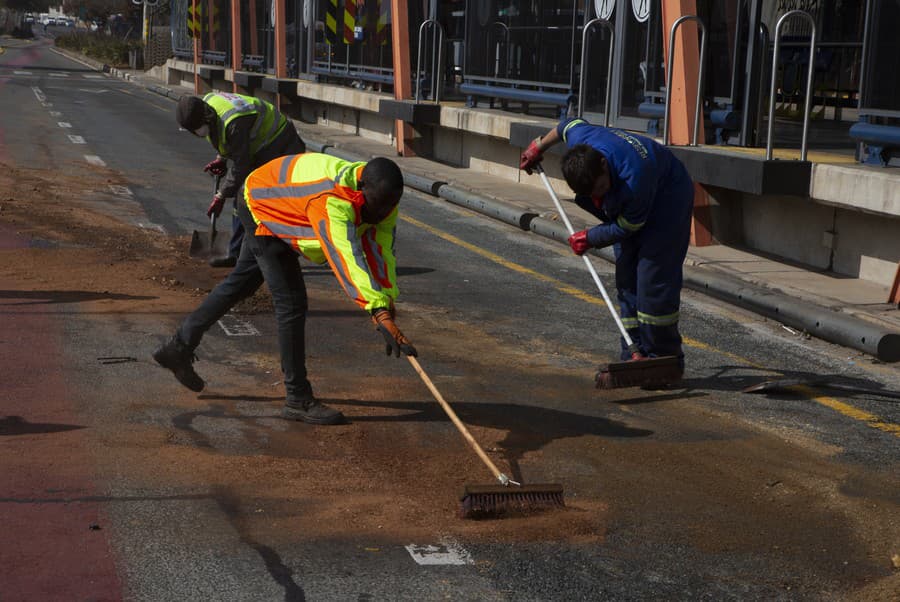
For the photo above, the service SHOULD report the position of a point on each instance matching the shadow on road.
(11, 426)
(43, 297)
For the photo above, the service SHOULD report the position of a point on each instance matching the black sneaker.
(223, 262)
(311, 411)
(177, 357)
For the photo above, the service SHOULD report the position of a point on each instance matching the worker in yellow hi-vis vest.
(247, 131)
(330, 211)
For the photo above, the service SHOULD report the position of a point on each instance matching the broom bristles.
(655, 371)
(491, 501)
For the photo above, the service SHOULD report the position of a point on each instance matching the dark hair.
(581, 166)
(191, 112)
(382, 181)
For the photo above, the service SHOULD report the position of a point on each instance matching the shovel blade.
(208, 244)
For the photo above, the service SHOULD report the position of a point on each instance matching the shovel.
(209, 244)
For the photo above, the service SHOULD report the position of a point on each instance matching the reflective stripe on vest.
(268, 125)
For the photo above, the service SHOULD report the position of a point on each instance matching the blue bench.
(882, 141)
(214, 57)
(656, 111)
(565, 100)
(726, 121)
(186, 54)
(253, 62)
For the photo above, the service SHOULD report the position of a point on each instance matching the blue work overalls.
(647, 219)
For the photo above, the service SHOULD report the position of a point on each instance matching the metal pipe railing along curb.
(436, 76)
(699, 109)
(583, 75)
(818, 321)
(490, 207)
(809, 81)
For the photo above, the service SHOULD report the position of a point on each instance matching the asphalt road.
(695, 493)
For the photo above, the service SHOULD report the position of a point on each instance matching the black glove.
(395, 341)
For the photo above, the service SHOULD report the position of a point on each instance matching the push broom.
(486, 501)
(640, 370)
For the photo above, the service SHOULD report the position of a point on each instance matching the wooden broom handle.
(459, 425)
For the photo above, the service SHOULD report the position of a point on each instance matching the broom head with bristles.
(493, 501)
(640, 372)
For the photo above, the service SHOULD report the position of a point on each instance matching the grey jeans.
(262, 259)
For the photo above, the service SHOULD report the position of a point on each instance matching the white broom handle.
(587, 262)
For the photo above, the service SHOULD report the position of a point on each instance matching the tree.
(99, 10)
(35, 6)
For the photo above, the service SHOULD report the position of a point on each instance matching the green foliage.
(36, 6)
(109, 49)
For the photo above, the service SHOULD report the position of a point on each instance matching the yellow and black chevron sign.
(199, 23)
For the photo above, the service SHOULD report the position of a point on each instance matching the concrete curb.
(822, 322)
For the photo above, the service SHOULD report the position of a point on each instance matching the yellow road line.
(838, 406)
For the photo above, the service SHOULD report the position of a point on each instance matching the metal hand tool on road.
(204, 246)
(640, 370)
(481, 501)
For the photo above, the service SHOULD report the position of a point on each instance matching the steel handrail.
(700, 76)
(809, 81)
(497, 49)
(436, 76)
(583, 75)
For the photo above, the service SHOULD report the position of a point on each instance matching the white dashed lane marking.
(21, 72)
(58, 74)
(447, 552)
(95, 160)
(237, 327)
(92, 76)
(55, 114)
(76, 139)
(63, 124)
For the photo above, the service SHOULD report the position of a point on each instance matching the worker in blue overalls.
(644, 196)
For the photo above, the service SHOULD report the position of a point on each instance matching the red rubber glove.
(531, 157)
(579, 242)
(216, 206)
(217, 167)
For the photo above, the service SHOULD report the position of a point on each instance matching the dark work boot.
(311, 411)
(223, 262)
(177, 357)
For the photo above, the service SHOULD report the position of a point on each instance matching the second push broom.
(487, 501)
(639, 370)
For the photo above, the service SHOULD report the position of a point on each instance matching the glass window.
(882, 79)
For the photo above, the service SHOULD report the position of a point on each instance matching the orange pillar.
(254, 35)
(894, 297)
(685, 73)
(196, 5)
(236, 50)
(210, 5)
(402, 71)
(280, 45)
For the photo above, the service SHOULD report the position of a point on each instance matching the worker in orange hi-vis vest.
(328, 210)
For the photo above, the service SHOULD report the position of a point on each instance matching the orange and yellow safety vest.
(313, 202)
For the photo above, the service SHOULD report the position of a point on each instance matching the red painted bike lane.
(53, 541)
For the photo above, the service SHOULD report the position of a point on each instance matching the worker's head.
(382, 186)
(194, 115)
(586, 171)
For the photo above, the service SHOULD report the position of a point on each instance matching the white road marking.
(55, 114)
(119, 190)
(90, 91)
(444, 553)
(237, 327)
(151, 226)
(22, 73)
(63, 124)
(92, 76)
(42, 98)
(95, 160)
(76, 139)
(58, 74)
